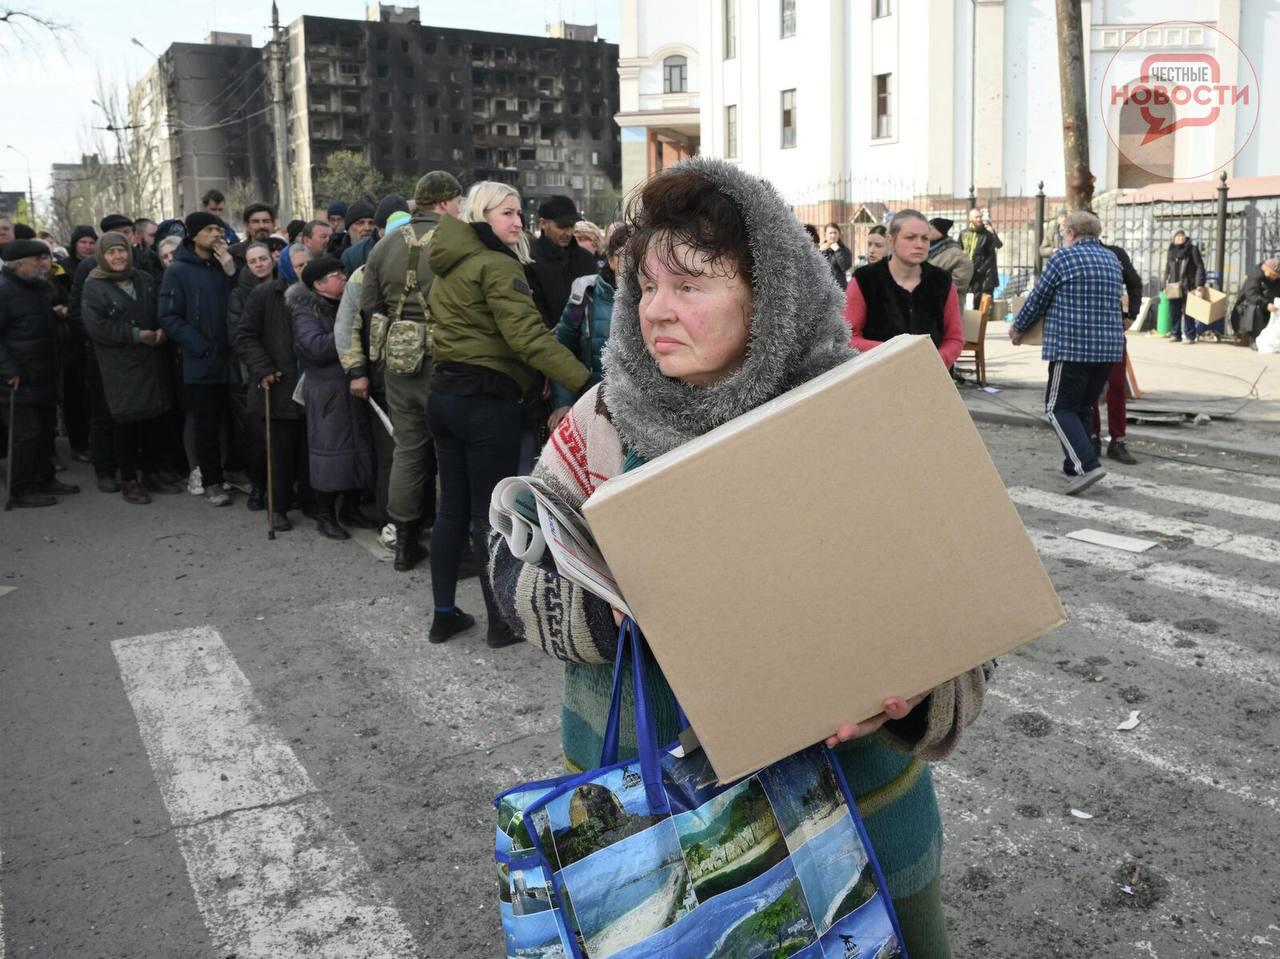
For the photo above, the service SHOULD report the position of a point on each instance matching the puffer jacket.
(29, 346)
(193, 312)
(584, 328)
(483, 313)
(136, 378)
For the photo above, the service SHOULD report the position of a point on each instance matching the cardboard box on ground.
(833, 547)
(1208, 308)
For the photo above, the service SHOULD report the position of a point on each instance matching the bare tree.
(26, 27)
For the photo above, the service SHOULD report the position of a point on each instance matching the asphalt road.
(212, 745)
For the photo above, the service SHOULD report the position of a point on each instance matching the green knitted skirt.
(894, 793)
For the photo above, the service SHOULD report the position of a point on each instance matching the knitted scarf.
(102, 271)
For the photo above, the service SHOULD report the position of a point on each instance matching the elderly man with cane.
(1078, 298)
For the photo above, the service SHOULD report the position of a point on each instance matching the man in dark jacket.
(30, 370)
(193, 312)
(1256, 302)
(356, 255)
(1183, 269)
(413, 463)
(557, 258)
(947, 254)
(259, 224)
(263, 342)
(980, 244)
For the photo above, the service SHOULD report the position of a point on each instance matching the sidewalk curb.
(1142, 435)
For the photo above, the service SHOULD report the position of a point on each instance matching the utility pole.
(31, 193)
(284, 185)
(1075, 106)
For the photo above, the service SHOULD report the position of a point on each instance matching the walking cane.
(271, 486)
(8, 480)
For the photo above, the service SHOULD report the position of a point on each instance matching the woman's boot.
(326, 519)
(409, 552)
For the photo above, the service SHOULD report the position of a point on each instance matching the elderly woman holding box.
(715, 315)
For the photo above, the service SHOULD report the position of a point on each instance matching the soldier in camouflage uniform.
(399, 337)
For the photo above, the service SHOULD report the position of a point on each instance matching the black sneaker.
(500, 635)
(108, 484)
(257, 502)
(30, 499)
(280, 522)
(1117, 450)
(444, 626)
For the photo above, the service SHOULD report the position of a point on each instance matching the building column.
(988, 106)
(1228, 54)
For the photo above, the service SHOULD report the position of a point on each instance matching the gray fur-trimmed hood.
(797, 329)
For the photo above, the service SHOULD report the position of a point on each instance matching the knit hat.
(21, 249)
(397, 220)
(360, 210)
(169, 228)
(391, 203)
(80, 232)
(319, 268)
(110, 241)
(114, 221)
(198, 221)
(560, 210)
(942, 224)
(436, 187)
(23, 231)
(337, 208)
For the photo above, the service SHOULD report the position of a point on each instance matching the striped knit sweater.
(888, 772)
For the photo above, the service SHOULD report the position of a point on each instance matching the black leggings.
(477, 444)
(139, 446)
(209, 407)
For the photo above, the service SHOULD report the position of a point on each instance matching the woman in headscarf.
(119, 314)
(723, 303)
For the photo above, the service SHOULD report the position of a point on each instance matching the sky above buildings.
(48, 92)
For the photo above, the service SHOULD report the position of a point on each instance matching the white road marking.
(5, 591)
(1190, 496)
(1226, 476)
(1, 907)
(274, 876)
(1212, 653)
(1182, 579)
(1136, 521)
(1027, 691)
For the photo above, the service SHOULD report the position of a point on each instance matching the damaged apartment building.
(534, 112)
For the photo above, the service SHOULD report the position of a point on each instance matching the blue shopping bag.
(652, 858)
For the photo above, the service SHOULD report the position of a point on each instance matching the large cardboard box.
(1207, 309)
(1033, 336)
(833, 547)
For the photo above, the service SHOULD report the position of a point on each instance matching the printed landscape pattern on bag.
(773, 866)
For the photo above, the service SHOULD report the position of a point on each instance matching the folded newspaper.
(536, 522)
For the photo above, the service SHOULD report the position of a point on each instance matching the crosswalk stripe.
(1233, 477)
(1025, 691)
(1190, 496)
(5, 591)
(1161, 640)
(1182, 579)
(273, 876)
(1, 907)
(1136, 522)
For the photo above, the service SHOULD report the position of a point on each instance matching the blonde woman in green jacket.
(489, 345)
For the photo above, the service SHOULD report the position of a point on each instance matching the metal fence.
(1250, 225)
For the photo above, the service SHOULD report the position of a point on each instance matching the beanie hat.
(80, 232)
(114, 221)
(319, 268)
(169, 228)
(391, 203)
(942, 224)
(22, 231)
(337, 208)
(21, 249)
(198, 221)
(397, 220)
(360, 210)
(436, 187)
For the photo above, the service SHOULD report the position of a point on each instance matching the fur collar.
(797, 329)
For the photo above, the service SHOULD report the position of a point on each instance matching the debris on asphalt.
(1130, 544)
(1132, 722)
(1080, 814)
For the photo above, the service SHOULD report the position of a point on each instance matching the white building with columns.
(941, 95)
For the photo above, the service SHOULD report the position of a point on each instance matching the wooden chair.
(975, 336)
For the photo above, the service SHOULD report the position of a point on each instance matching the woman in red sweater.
(904, 294)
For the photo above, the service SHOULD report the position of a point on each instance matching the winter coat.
(584, 328)
(1132, 281)
(483, 313)
(246, 283)
(947, 254)
(339, 444)
(193, 311)
(136, 378)
(357, 255)
(840, 259)
(1185, 266)
(981, 246)
(388, 266)
(1250, 314)
(29, 346)
(551, 275)
(263, 342)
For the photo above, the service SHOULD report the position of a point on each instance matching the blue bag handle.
(630, 638)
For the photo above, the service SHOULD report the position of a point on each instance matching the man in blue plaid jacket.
(1078, 298)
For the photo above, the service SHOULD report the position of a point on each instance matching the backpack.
(404, 344)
